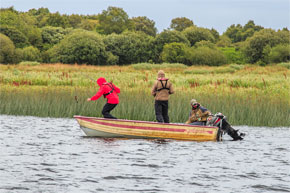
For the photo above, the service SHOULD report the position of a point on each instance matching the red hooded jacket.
(106, 88)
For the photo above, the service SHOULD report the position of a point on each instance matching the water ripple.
(53, 155)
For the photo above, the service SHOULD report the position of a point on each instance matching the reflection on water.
(53, 155)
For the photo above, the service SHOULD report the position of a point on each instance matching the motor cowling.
(219, 120)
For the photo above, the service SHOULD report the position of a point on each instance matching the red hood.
(101, 81)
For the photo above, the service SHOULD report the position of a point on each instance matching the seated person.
(198, 114)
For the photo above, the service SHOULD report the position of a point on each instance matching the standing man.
(110, 92)
(161, 90)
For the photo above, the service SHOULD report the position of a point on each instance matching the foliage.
(238, 33)
(233, 55)
(42, 29)
(74, 20)
(129, 47)
(166, 37)
(57, 20)
(7, 49)
(22, 22)
(143, 24)
(196, 34)
(205, 43)
(206, 56)
(18, 38)
(114, 20)
(53, 35)
(224, 41)
(174, 53)
(215, 34)
(257, 48)
(80, 47)
(41, 16)
(89, 24)
(34, 36)
(10, 17)
(29, 54)
(280, 53)
(181, 23)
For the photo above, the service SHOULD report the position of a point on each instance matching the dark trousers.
(107, 109)
(161, 111)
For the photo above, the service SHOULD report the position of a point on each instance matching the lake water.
(43, 155)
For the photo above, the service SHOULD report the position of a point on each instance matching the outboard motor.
(219, 120)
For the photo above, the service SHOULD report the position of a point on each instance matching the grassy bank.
(246, 95)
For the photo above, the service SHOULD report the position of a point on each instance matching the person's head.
(161, 74)
(194, 104)
(101, 81)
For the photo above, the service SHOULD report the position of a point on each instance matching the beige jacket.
(159, 93)
(200, 114)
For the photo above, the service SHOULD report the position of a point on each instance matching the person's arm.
(171, 90)
(191, 119)
(97, 95)
(205, 113)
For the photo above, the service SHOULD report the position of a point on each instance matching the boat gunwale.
(148, 122)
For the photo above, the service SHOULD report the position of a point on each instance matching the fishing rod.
(76, 96)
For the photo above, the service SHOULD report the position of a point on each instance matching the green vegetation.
(113, 38)
(246, 77)
(247, 95)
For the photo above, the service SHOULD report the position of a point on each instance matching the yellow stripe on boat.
(101, 127)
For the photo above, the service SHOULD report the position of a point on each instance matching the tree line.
(112, 38)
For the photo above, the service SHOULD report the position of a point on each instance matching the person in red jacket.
(109, 91)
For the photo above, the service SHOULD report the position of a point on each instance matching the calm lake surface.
(39, 155)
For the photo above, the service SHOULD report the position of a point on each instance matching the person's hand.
(89, 99)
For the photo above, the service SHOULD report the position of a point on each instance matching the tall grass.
(247, 95)
(255, 110)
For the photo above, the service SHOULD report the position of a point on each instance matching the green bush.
(53, 35)
(30, 54)
(81, 47)
(166, 37)
(7, 49)
(233, 55)
(206, 56)
(197, 34)
(224, 41)
(258, 47)
(129, 47)
(280, 53)
(205, 43)
(174, 53)
(18, 38)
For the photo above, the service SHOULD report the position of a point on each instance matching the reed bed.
(257, 96)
